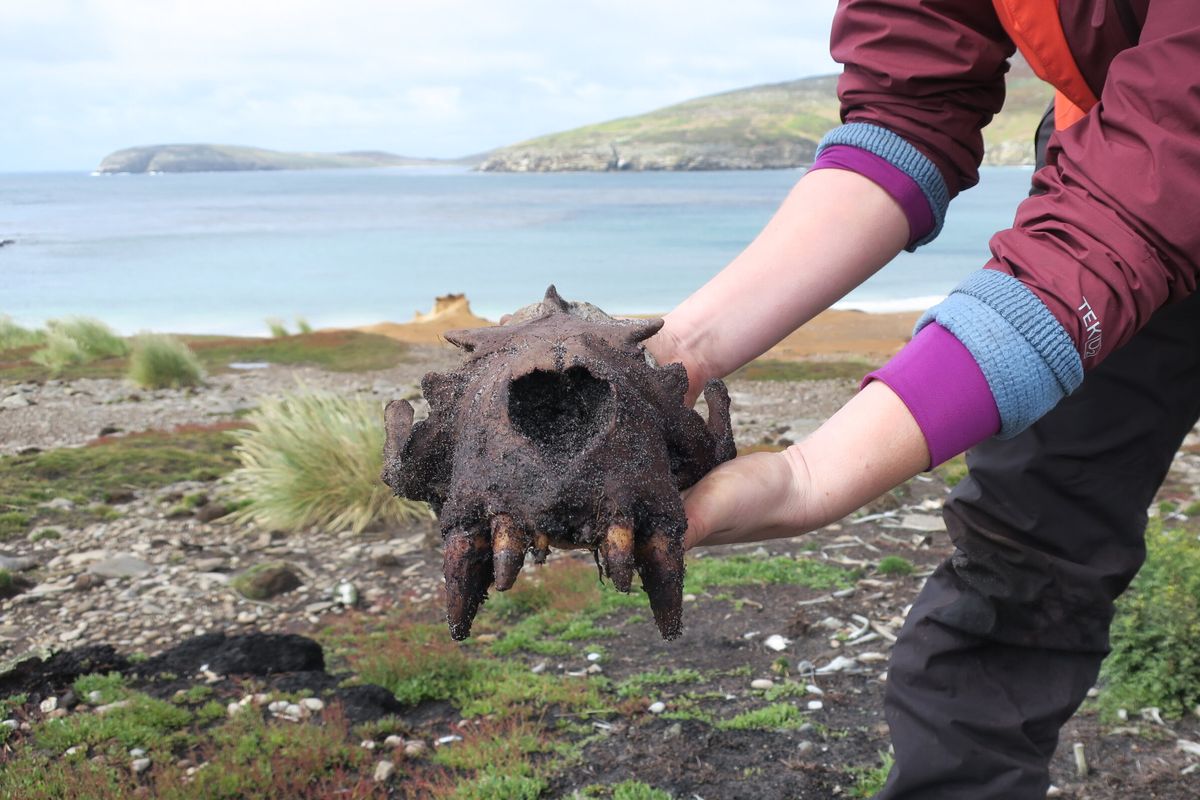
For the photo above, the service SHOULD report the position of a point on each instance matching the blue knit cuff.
(904, 157)
(1027, 358)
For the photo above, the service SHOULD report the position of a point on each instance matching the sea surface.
(221, 252)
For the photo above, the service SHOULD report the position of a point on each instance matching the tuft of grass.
(775, 717)
(160, 362)
(78, 340)
(277, 328)
(314, 458)
(45, 534)
(302, 326)
(1154, 659)
(13, 523)
(741, 570)
(869, 781)
(13, 336)
(895, 567)
(112, 687)
(636, 790)
(768, 369)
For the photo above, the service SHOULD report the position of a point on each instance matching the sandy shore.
(853, 335)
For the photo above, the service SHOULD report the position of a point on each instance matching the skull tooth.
(508, 550)
(541, 547)
(616, 553)
(660, 563)
(468, 570)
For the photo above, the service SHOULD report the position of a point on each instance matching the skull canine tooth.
(616, 553)
(660, 563)
(467, 566)
(508, 550)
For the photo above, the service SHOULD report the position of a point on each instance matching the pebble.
(137, 752)
(394, 741)
(805, 747)
(384, 770)
(1054, 791)
(140, 765)
(48, 705)
(762, 683)
(657, 707)
(313, 703)
(18, 564)
(16, 401)
(368, 744)
(122, 565)
(233, 709)
(815, 705)
(777, 642)
(414, 748)
(11, 724)
(593, 656)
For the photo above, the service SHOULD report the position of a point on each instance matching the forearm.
(871, 445)
(835, 229)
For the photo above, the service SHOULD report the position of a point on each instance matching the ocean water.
(220, 252)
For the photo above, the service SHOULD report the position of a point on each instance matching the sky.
(441, 78)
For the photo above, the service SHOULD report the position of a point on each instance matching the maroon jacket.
(1119, 220)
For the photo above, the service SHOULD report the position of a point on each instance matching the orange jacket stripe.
(1036, 30)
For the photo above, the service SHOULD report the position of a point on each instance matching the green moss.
(145, 722)
(766, 369)
(895, 567)
(112, 687)
(777, 716)
(639, 685)
(739, 570)
(45, 534)
(636, 790)
(495, 786)
(869, 781)
(85, 474)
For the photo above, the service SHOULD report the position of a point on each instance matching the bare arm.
(869, 446)
(834, 230)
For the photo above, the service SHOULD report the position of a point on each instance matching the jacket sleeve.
(1114, 236)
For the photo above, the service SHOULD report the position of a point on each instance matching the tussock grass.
(302, 326)
(314, 458)
(13, 335)
(78, 340)
(160, 362)
(277, 328)
(1154, 659)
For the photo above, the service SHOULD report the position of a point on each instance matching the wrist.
(676, 343)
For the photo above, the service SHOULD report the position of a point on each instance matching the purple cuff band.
(897, 183)
(945, 391)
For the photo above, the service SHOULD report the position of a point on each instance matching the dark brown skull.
(557, 430)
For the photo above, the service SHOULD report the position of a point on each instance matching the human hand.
(757, 496)
(667, 347)
(870, 445)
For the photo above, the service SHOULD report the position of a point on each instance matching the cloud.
(436, 77)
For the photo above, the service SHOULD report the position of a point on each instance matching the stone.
(59, 504)
(139, 765)
(415, 748)
(815, 705)
(762, 683)
(657, 707)
(86, 581)
(211, 511)
(266, 581)
(16, 401)
(122, 565)
(776, 642)
(394, 741)
(18, 563)
(209, 564)
(313, 703)
(48, 705)
(384, 770)
(805, 747)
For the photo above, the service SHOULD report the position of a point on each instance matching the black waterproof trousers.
(1007, 636)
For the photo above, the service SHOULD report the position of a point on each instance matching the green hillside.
(761, 127)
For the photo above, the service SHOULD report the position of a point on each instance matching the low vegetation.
(159, 361)
(314, 458)
(78, 340)
(13, 336)
(1154, 659)
(93, 477)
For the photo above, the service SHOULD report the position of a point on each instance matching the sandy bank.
(832, 335)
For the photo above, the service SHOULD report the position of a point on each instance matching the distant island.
(229, 158)
(772, 126)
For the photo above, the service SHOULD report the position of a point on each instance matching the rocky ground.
(160, 572)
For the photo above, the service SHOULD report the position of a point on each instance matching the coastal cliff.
(227, 158)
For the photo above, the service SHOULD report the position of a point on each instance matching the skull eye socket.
(559, 411)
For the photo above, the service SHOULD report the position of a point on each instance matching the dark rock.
(266, 581)
(108, 430)
(211, 511)
(249, 654)
(7, 242)
(368, 702)
(34, 676)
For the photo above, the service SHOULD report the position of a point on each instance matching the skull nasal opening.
(559, 411)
